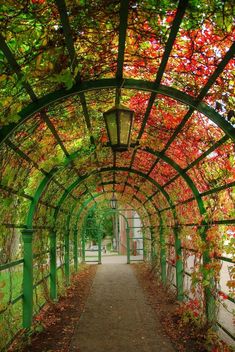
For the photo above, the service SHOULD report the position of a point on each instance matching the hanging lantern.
(113, 202)
(118, 122)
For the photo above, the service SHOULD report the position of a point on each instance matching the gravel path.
(117, 317)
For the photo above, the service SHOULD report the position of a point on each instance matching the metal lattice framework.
(62, 66)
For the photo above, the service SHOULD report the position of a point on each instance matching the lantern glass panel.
(113, 203)
(125, 126)
(112, 127)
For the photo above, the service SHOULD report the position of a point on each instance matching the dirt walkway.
(117, 317)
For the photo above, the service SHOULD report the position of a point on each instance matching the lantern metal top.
(119, 120)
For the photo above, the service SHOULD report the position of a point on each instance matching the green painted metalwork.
(173, 93)
(66, 257)
(112, 211)
(74, 185)
(24, 156)
(153, 249)
(179, 266)
(122, 37)
(85, 203)
(107, 169)
(75, 249)
(27, 236)
(83, 246)
(99, 245)
(230, 53)
(217, 144)
(75, 244)
(13, 191)
(13, 63)
(174, 30)
(89, 127)
(128, 245)
(67, 31)
(36, 198)
(153, 254)
(203, 194)
(117, 83)
(11, 264)
(218, 189)
(121, 45)
(168, 160)
(63, 199)
(55, 133)
(53, 266)
(179, 263)
(231, 135)
(195, 162)
(17, 69)
(28, 88)
(129, 185)
(108, 211)
(67, 243)
(162, 253)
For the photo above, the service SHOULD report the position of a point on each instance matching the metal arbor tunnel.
(63, 64)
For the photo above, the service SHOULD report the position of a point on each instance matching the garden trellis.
(63, 64)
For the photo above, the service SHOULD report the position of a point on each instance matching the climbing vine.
(58, 76)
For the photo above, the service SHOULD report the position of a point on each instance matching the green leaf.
(65, 77)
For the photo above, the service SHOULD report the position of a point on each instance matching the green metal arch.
(140, 191)
(161, 232)
(37, 196)
(99, 194)
(106, 212)
(62, 199)
(85, 203)
(107, 169)
(112, 211)
(41, 189)
(184, 175)
(161, 189)
(74, 206)
(47, 178)
(90, 199)
(171, 92)
(172, 163)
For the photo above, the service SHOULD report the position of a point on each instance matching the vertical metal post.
(162, 254)
(210, 304)
(99, 246)
(53, 271)
(153, 249)
(66, 258)
(114, 231)
(118, 230)
(75, 249)
(128, 245)
(179, 266)
(27, 235)
(83, 246)
(208, 291)
(144, 246)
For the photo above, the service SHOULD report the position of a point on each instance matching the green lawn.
(10, 284)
